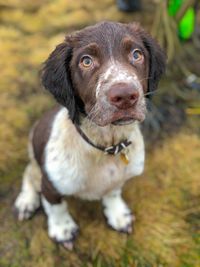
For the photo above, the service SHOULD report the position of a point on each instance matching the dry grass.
(166, 203)
(165, 199)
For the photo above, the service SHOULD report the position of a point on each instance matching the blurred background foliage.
(166, 199)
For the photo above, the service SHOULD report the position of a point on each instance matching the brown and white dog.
(91, 144)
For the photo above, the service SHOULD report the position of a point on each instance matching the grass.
(165, 198)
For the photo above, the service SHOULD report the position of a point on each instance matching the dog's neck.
(108, 135)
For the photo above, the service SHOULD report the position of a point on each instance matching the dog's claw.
(132, 217)
(75, 233)
(23, 215)
(68, 245)
(26, 205)
(127, 230)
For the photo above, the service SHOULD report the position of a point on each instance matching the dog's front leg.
(61, 226)
(118, 215)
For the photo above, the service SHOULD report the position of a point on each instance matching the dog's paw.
(25, 205)
(120, 219)
(63, 232)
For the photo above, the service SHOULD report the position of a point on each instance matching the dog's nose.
(122, 95)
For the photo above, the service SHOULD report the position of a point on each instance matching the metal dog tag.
(124, 158)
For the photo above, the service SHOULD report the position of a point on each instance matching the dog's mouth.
(125, 118)
(120, 119)
(123, 121)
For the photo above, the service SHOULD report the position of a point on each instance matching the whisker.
(146, 78)
(92, 115)
(93, 112)
(150, 93)
(153, 93)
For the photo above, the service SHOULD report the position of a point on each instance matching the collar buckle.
(116, 149)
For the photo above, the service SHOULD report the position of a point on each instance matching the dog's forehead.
(108, 35)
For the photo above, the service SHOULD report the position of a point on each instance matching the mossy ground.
(165, 199)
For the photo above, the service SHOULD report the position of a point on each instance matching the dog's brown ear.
(157, 61)
(56, 78)
(157, 57)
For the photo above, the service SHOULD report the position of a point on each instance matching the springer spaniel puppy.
(91, 144)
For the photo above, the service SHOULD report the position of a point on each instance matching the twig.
(186, 4)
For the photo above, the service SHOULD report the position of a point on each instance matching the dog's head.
(105, 71)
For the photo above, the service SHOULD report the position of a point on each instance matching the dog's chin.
(121, 121)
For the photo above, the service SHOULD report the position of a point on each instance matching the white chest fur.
(76, 168)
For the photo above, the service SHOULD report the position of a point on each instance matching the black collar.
(111, 150)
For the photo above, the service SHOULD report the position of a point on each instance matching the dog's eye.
(86, 61)
(137, 55)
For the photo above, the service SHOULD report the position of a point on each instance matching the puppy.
(91, 144)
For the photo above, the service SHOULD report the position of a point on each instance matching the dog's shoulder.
(41, 132)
